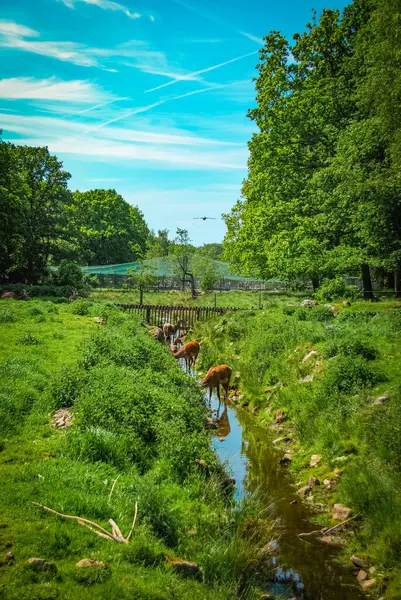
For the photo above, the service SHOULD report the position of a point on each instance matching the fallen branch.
(339, 524)
(115, 535)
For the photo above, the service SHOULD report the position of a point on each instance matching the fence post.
(148, 315)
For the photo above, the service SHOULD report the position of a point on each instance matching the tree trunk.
(192, 281)
(390, 281)
(367, 283)
(397, 278)
(315, 283)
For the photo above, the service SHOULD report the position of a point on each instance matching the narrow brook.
(299, 570)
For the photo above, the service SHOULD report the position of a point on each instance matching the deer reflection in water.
(223, 424)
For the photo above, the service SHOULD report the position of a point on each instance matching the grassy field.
(235, 299)
(325, 373)
(138, 423)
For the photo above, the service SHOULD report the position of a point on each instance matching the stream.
(299, 570)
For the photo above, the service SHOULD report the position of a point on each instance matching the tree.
(182, 252)
(142, 278)
(40, 210)
(207, 269)
(214, 251)
(295, 218)
(107, 229)
(158, 245)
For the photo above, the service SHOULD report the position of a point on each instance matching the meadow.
(326, 373)
(138, 436)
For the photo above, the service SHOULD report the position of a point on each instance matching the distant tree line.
(44, 224)
(323, 191)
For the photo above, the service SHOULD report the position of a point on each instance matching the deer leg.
(225, 386)
(218, 395)
(210, 397)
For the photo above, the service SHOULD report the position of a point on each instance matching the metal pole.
(215, 299)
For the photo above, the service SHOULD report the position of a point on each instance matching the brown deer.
(216, 376)
(189, 352)
(14, 295)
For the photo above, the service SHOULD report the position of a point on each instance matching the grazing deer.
(15, 296)
(169, 330)
(157, 334)
(189, 352)
(216, 376)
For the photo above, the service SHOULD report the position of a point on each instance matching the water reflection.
(299, 570)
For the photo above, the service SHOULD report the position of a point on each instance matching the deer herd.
(175, 336)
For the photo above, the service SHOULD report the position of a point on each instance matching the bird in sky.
(204, 218)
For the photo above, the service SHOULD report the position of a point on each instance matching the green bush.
(7, 316)
(66, 386)
(351, 374)
(334, 289)
(81, 307)
(28, 339)
(351, 347)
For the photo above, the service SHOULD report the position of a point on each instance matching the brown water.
(300, 570)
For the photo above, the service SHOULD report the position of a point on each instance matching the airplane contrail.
(206, 70)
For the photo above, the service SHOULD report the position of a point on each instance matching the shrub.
(350, 375)
(28, 339)
(351, 347)
(66, 386)
(96, 444)
(68, 273)
(7, 316)
(81, 307)
(333, 289)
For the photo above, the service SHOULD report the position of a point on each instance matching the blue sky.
(145, 96)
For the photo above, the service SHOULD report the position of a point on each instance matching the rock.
(185, 568)
(9, 557)
(280, 416)
(304, 491)
(313, 481)
(362, 575)
(358, 562)
(380, 400)
(306, 379)
(332, 540)
(368, 583)
(341, 512)
(90, 563)
(308, 303)
(310, 535)
(328, 483)
(319, 506)
(372, 570)
(63, 418)
(309, 355)
(346, 303)
(340, 458)
(39, 564)
(286, 460)
(315, 460)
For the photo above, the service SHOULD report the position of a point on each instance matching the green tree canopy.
(107, 229)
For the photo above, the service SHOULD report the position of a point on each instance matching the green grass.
(358, 356)
(138, 419)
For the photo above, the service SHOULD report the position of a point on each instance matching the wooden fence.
(187, 315)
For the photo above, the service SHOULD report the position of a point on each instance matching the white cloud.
(105, 5)
(143, 58)
(9, 28)
(28, 88)
(128, 145)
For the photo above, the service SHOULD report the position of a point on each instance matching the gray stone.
(90, 563)
(40, 564)
(307, 379)
(308, 303)
(381, 400)
(315, 460)
(185, 568)
(286, 459)
(358, 562)
(341, 512)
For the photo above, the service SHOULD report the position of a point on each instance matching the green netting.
(163, 267)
